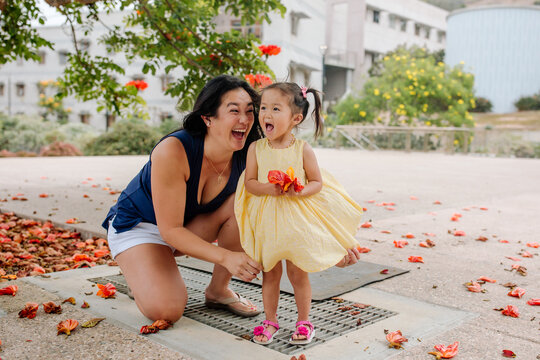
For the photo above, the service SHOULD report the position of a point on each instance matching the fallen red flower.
(148, 329)
(9, 290)
(534, 302)
(508, 353)
(363, 250)
(474, 287)
(285, 180)
(106, 291)
(366, 225)
(395, 338)
(511, 310)
(445, 352)
(416, 259)
(29, 311)
(162, 324)
(459, 233)
(533, 245)
(486, 279)
(51, 308)
(408, 236)
(67, 326)
(400, 243)
(517, 292)
(526, 254)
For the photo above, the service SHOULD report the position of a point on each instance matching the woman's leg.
(270, 291)
(302, 293)
(152, 274)
(220, 225)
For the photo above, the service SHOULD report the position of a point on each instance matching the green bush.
(22, 133)
(168, 126)
(483, 105)
(528, 103)
(128, 137)
(77, 134)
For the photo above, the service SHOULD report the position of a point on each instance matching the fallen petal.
(508, 353)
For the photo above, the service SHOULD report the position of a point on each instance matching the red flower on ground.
(486, 279)
(51, 308)
(534, 302)
(445, 352)
(400, 243)
(106, 291)
(511, 310)
(9, 290)
(508, 353)
(67, 326)
(416, 259)
(29, 311)
(395, 338)
(517, 292)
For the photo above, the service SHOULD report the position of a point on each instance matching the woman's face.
(233, 120)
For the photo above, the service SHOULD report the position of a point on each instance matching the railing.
(448, 140)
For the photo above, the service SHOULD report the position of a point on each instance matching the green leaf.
(92, 322)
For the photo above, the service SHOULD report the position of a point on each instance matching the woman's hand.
(241, 266)
(352, 257)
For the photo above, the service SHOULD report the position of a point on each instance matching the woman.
(182, 201)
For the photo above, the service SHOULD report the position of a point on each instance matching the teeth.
(242, 131)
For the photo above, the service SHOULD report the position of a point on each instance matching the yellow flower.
(397, 58)
(450, 107)
(412, 92)
(386, 58)
(473, 103)
(379, 118)
(376, 92)
(440, 63)
(398, 94)
(411, 87)
(362, 113)
(428, 123)
(413, 64)
(439, 86)
(50, 99)
(356, 106)
(462, 62)
(68, 109)
(409, 76)
(460, 101)
(329, 129)
(459, 74)
(441, 74)
(456, 142)
(42, 95)
(401, 106)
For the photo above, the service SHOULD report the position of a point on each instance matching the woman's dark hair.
(209, 100)
(300, 104)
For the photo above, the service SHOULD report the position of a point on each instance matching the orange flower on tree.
(258, 81)
(29, 311)
(138, 84)
(395, 338)
(67, 326)
(106, 291)
(9, 290)
(269, 50)
(445, 352)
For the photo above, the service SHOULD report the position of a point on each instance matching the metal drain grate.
(329, 321)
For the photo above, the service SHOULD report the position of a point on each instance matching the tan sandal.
(226, 304)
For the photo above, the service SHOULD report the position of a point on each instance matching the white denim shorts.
(142, 233)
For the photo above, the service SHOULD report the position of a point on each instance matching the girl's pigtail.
(317, 115)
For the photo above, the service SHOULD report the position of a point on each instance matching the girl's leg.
(221, 225)
(270, 292)
(153, 277)
(302, 293)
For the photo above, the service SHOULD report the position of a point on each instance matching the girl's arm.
(253, 185)
(170, 171)
(313, 173)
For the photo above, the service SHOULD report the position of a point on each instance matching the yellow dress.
(313, 232)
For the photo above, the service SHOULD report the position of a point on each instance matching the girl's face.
(233, 120)
(275, 115)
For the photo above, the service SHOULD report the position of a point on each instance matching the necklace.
(220, 174)
(288, 146)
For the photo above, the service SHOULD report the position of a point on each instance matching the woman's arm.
(251, 176)
(313, 174)
(170, 171)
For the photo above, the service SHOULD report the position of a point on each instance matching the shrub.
(483, 105)
(528, 103)
(128, 137)
(23, 133)
(59, 148)
(5, 153)
(168, 126)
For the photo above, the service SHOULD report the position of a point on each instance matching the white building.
(358, 31)
(299, 33)
(500, 45)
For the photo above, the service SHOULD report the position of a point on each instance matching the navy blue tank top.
(135, 203)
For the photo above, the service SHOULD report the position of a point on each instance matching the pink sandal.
(261, 330)
(303, 328)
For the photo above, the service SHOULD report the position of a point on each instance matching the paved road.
(508, 188)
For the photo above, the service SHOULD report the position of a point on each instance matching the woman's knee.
(166, 310)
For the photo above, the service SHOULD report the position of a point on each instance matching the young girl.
(311, 229)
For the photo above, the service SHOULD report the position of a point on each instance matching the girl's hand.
(273, 189)
(290, 192)
(241, 266)
(352, 257)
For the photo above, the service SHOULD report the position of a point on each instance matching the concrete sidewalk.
(434, 307)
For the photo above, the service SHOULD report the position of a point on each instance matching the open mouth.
(269, 127)
(239, 134)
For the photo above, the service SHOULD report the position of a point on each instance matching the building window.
(1, 89)
(109, 119)
(166, 80)
(417, 28)
(138, 77)
(440, 36)
(19, 89)
(427, 32)
(403, 25)
(255, 30)
(62, 57)
(392, 21)
(42, 55)
(85, 118)
(376, 16)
